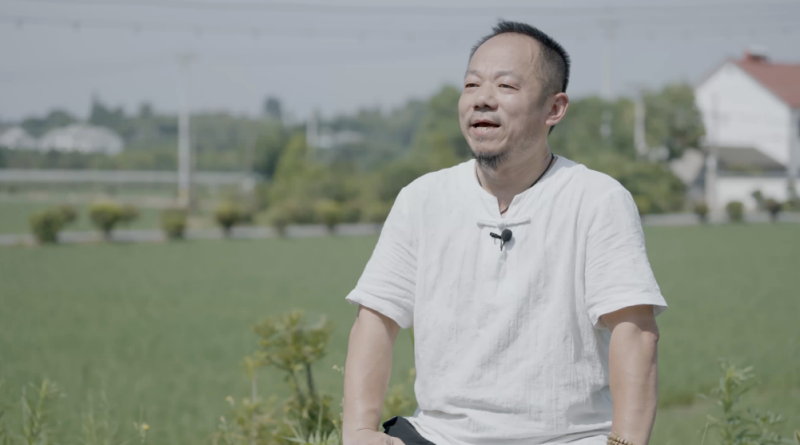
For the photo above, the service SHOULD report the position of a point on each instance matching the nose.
(485, 100)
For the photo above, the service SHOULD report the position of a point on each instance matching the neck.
(514, 176)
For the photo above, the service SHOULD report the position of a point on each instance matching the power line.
(370, 9)
(358, 58)
(701, 27)
(201, 29)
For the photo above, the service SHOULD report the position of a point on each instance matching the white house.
(326, 138)
(751, 111)
(82, 138)
(16, 138)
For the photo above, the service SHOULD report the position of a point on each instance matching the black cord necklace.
(549, 164)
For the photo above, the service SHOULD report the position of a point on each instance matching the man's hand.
(366, 378)
(371, 437)
(633, 371)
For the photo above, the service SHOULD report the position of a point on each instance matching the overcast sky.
(333, 56)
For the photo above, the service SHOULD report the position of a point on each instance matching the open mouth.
(485, 124)
(483, 128)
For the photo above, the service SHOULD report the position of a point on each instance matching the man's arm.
(633, 371)
(366, 378)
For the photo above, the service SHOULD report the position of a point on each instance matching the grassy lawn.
(164, 327)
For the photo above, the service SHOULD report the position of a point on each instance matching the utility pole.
(248, 183)
(639, 129)
(794, 153)
(312, 129)
(711, 158)
(609, 26)
(184, 139)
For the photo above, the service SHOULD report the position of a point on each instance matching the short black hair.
(554, 69)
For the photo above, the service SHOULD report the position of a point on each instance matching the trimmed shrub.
(700, 209)
(376, 212)
(105, 216)
(735, 210)
(173, 223)
(643, 204)
(328, 212)
(758, 196)
(45, 226)
(774, 208)
(351, 212)
(301, 211)
(279, 216)
(228, 215)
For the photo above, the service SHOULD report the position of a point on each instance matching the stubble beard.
(490, 161)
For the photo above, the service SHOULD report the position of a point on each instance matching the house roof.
(82, 137)
(731, 158)
(781, 79)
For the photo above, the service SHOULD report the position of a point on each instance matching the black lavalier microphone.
(504, 237)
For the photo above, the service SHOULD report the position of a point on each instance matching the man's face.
(500, 110)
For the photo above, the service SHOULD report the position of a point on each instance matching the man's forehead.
(510, 50)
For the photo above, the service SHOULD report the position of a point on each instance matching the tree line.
(362, 177)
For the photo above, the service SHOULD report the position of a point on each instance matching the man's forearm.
(367, 370)
(633, 368)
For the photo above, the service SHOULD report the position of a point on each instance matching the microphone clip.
(504, 237)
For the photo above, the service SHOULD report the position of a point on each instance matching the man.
(524, 275)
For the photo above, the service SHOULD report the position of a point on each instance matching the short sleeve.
(388, 283)
(618, 273)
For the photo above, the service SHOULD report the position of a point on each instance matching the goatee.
(490, 161)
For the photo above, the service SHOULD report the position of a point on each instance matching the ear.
(558, 105)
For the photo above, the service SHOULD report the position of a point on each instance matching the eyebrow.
(496, 73)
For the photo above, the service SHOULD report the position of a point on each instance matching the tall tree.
(273, 108)
(269, 147)
(673, 120)
(112, 118)
(439, 142)
(54, 119)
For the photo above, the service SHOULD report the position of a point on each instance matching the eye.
(505, 85)
(471, 85)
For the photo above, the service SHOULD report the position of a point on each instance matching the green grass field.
(164, 327)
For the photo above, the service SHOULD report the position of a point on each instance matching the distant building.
(326, 138)
(751, 111)
(16, 138)
(82, 138)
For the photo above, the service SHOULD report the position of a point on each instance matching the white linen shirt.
(509, 345)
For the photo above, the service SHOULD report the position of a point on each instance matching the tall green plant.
(291, 345)
(37, 425)
(5, 438)
(734, 425)
(97, 427)
(253, 421)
